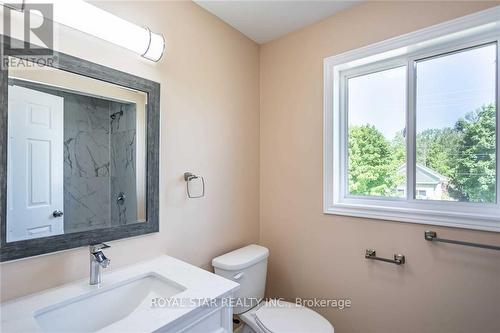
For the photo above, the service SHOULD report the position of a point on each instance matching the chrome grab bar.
(432, 236)
(399, 259)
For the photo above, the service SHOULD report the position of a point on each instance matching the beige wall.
(209, 125)
(442, 288)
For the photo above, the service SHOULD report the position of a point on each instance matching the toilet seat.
(284, 317)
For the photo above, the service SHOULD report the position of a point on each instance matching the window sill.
(419, 216)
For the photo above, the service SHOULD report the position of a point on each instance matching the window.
(421, 194)
(411, 127)
(456, 122)
(376, 118)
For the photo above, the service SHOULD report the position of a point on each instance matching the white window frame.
(467, 32)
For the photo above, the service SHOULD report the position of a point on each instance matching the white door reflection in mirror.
(35, 164)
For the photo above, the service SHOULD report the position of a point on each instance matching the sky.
(448, 87)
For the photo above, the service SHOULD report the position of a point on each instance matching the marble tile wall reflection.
(123, 164)
(87, 185)
(99, 149)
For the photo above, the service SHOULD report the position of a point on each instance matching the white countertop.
(18, 315)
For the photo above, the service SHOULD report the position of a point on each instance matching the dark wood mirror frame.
(32, 247)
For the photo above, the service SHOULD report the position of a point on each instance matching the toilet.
(248, 267)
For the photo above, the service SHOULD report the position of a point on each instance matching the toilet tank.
(248, 267)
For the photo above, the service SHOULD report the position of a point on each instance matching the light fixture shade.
(156, 47)
(82, 16)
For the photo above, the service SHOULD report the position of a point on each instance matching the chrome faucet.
(97, 260)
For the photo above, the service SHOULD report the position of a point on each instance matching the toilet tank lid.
(241, 258)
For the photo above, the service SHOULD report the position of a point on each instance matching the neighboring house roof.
(426, 175)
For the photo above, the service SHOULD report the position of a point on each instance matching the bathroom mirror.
(79, 155)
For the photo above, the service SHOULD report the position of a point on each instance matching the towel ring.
(189, 177)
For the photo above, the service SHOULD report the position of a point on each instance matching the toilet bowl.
(248, 267)
(281, 317)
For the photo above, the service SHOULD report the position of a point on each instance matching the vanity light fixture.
(87, 18)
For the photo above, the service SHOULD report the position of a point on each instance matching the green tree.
(372, 166)
(398, 148)
(466, 154)
(473, 177)
(443, 151)
(425, 141)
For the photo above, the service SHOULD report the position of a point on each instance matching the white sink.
(123, 302)
(102, 307)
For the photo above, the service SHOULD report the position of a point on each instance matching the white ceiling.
(264, 21)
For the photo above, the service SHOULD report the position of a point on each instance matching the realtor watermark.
(29, 62)
(28, 36)
(163, 302)
(340, 304)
